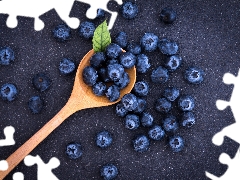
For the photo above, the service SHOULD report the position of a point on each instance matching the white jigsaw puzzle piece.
(36, 8)
(18, 176)
(3, 165)
(44, 170)
(232, 172)
(8, 132)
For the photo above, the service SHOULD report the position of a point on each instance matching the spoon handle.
(14, 159)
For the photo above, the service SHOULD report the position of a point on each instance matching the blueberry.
(132, 121)
(100, 13)
(121, 39)
(188, 119)
(123, 81)
(113, 93)
(8, 92)
(159, 75)
(129, 101)
(103, 75)
(97, 59)
(6, 56)
(176, 143)
(115, 71)
(120, 110)
(168, 15)
(90, 75)
(66, 66)
(167, 46)
(134, 48)
(112, 61)
(149, 42)
(170, 123)
(156, 133)
(141, 106)
(41, 81)
(86, 29)
(99, 88)
(146, 120)
(171, 93)
(194, 75)
(104, 139)
(186, 103)
(62, 32)
(128, 60)
(141, 88)
(172, 62)
(109, 171)
(162, 105)
(113, 51)
(142, 64)
(74, 150)
(35, 104)
(129, 10)
(141, 143)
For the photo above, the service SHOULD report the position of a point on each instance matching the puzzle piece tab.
(8, 132)
(44, 170)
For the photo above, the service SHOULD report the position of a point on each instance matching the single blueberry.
(141, 88)
(97, 59)
(103, 75)
(171, 93)
(149, 42)
(104, 139)
(109, 171)
(129, 10)
(86, 29)
(186, 103)
(156, 133)
(159, 75)
(90, 75)
(162, 105)
(194, 75)
(115, 71)
(167, 46)
(113, 51)
(35, 104)
(188, 119)
(141, 143)
(129, 101)
(120, 110)
(123, 81)
(132, 121)
(66, 66)
(62, 32)
(176, 143)
(168, 15)
(170, 123)
(142, 63)
(6, 56)
(74, 150)
(134, 48)
(146, 119)
(127, 59)
(172, 62)
(121, 39)
(41, 81)
(9, 92)
(142, 103)
(113, 93)
(99, 88)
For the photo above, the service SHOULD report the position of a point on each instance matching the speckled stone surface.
(207, 32)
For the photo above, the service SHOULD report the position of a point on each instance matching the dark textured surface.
(208, 36)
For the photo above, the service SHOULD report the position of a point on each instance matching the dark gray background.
(208, 36)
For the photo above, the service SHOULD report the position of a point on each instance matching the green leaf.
(101, 38)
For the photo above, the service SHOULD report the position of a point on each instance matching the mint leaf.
(101, 38)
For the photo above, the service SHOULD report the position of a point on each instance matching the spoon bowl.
(81, 97)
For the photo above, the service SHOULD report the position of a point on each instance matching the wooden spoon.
(81, 97)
